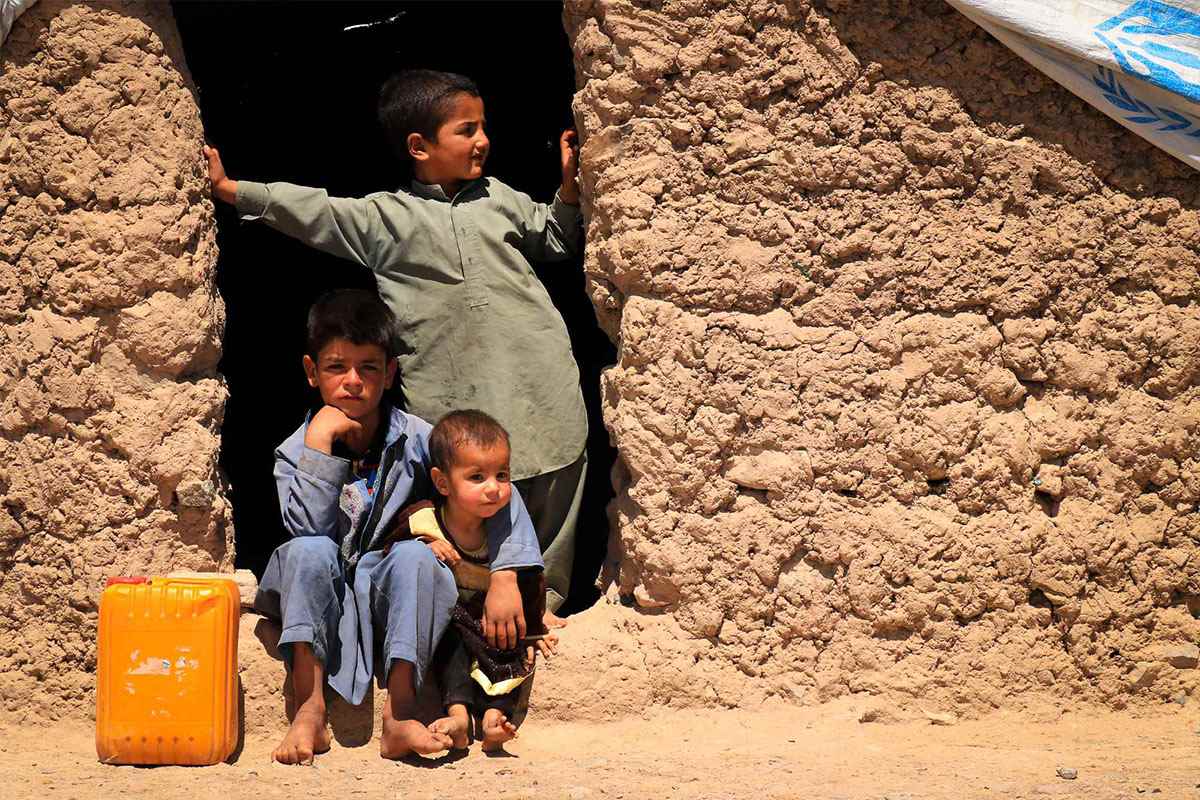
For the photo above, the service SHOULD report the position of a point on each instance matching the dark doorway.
(287, 91)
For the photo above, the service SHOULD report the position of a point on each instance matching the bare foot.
(306, 737)
(402, 734)
(406, 736)
(552, 620)
(456, 724)
(496, 730)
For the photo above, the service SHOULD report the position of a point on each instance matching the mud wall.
(907, 387)
(109, 335)
(907, 396)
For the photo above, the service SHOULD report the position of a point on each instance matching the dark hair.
(418, 101)
(459, 428)
(353, 314)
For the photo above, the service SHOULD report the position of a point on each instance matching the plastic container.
(166, 671)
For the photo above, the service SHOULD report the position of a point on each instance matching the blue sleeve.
(309, 484)
(419, 463)
(512, 541)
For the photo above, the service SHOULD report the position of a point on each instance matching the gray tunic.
(478, 327)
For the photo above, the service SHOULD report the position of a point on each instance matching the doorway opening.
(287, 92)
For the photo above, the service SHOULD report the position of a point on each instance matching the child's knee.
(308, 565)
(313, 558)
(412, 552)
(311, 549)
(413, 565)
(415, 558)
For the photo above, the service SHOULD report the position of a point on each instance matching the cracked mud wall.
(907, 387)
(109, 336)
(906, 396)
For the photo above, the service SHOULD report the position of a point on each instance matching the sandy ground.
(820, 752)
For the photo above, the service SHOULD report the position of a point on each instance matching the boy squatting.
(342, 478)
(451, 258)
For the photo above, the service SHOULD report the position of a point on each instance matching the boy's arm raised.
(349, 228)
(552, 232)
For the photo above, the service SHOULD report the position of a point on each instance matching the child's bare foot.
(552, 620)
(496, 730)
(456, 724)
(401, 737)
(406, 736)
(307, 734)
(306, 737)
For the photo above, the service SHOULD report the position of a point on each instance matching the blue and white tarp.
(9, 11)
(1138, 61)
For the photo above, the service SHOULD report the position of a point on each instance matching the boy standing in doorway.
(451, 256)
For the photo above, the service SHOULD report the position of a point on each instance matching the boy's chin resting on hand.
(330, 425)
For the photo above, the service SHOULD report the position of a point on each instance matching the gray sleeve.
(310, 489)
(549, 232)
(350, 228)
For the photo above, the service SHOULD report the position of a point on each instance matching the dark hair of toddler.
(459, 428)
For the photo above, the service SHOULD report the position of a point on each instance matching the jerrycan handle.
(131, 579)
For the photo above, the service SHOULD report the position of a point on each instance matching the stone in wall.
(110, 333)
(907, 397)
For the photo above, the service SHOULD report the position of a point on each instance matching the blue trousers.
(402, 599)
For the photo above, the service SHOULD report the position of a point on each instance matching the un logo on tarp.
(1157, 42)
(1141, 112)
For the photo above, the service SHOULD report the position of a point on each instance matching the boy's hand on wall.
(224, 188)
(503, 618)
(568, 145)
(444, 551)
(331, 425)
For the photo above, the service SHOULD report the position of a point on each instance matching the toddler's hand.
(568, 145)
(224, 188)
(547, 646)
(330, 425)
(444, 551)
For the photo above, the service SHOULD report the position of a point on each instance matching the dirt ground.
(815, 752)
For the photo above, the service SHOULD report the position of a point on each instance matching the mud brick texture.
(110, 331)
(906, 397)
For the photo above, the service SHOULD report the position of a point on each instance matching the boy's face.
(458, 153)
(351, 377)
(478, 482)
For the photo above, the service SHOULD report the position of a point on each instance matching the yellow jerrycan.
(166, 671)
